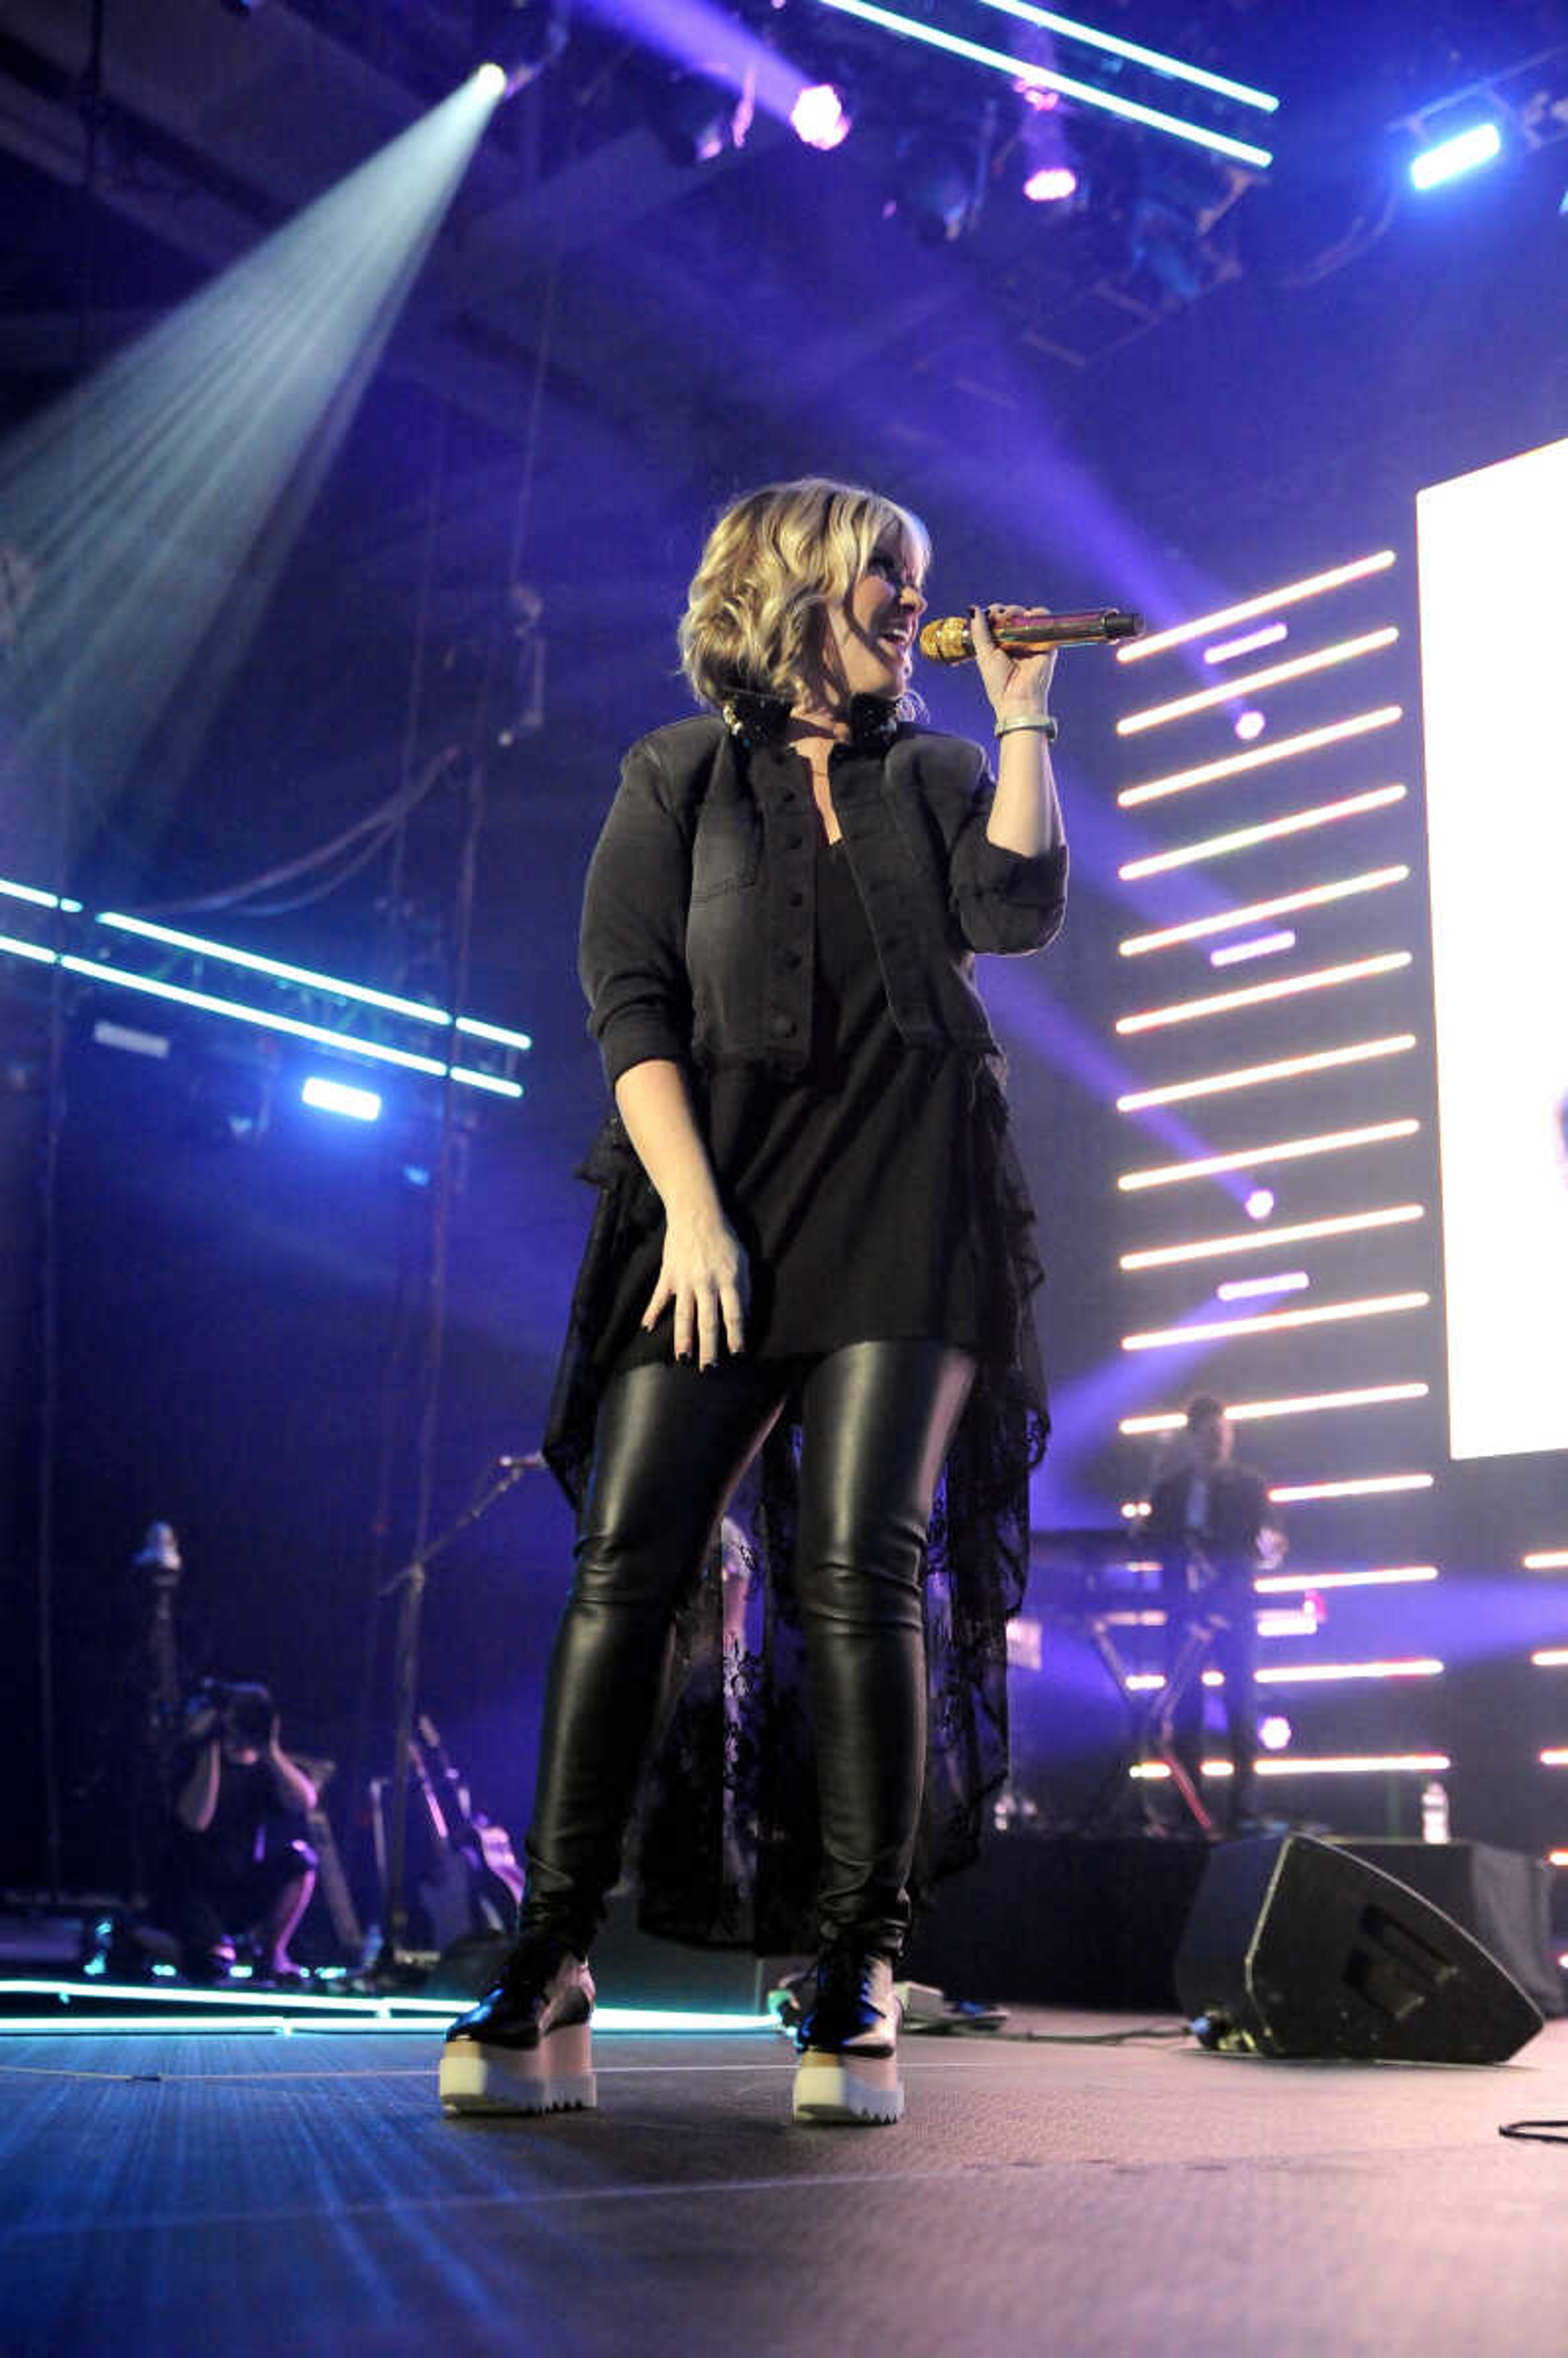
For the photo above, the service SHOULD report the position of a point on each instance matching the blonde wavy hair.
(775, 562)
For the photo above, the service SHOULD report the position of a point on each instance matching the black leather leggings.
(671, 1444)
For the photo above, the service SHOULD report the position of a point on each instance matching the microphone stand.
(392, 1968)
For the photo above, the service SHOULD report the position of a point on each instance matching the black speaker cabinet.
(1293, 1948)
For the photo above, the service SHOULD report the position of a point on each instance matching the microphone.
(947, 640)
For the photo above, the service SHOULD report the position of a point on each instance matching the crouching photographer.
(231, 1873)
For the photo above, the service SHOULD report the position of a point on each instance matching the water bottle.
(1434, 1811)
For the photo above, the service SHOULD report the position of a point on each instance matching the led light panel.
(1300, 1232)
(1204, 699)
(1262, 757)
(1298, 1404)
(1312, 896)
(1244, 838)
(1256, 994)
(1285, 1150)
(1270, 1322)
(1291, 593)
(1495, 695)
(1284, 1068)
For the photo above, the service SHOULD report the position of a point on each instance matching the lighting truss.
(1264, 1239)
(1244, 838)
(1311, 896)
(1023, 72)
(1256, 994)
(1285, 1068)
(1285, 1150)
(1260, 757)
(1297, 1404)
(1204, 699)
(1273, 1322)
(1291, 593)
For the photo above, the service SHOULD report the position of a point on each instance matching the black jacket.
(1238, 1511)
(698, 918)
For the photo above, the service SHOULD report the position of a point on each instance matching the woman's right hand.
(706, 1276)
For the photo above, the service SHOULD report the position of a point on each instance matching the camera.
(246, 1706)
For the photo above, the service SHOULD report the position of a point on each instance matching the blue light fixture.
(1480, 143)
(339, 1097)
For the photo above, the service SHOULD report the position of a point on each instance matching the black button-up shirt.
(699, 917)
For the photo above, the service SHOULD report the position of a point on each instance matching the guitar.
(468, 1892)
(334, 1883)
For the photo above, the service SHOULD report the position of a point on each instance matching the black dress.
(877, 1197)
(861, 1191)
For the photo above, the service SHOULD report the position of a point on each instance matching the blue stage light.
(337, 1097)
(1477, 144)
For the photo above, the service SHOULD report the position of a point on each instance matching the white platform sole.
(848, 2090)
(557, 2076)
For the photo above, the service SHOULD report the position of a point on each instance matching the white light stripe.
(1314, 896)
(1550, 1559)
(41, 899)
(1256, 946)
(1270, 1322)
(1242, 839)
(1345, 1764)
(1285, 1150)
(1256, 994)
(416, 1011)
(1242, 1289)
(237, 2008)
(1285, 1675)
(1021, 71)
(1550, 1658)
(1174, 69)
(1558, 1858)
(1351, 1764)
(34, 950)
(1204, 699)
(1286, 1069)
(1233, 649)
(1556, 1756)
(1393, 1575)
(497, 1033)
(1261, 757)
(345, 1042)
(1296, 1404)
(1264, 1239)
(1291, 593)
(1364, 1485)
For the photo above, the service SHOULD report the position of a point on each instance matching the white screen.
(1494, 631)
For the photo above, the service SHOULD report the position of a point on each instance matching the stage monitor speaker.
(1293, 1948)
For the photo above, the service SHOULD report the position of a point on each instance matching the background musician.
(1212, 1526)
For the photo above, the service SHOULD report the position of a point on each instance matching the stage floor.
(225, 2195)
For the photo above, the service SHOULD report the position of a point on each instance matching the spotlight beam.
(161, 496)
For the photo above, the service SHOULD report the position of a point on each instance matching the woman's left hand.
(1013, 683)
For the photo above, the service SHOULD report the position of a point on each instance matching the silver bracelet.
(1044, 721)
